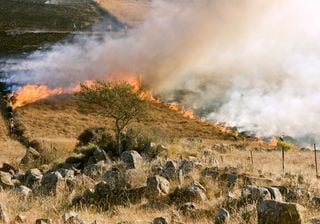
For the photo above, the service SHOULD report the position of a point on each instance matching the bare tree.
(117, 100)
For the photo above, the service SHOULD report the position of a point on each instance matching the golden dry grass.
(131, 12)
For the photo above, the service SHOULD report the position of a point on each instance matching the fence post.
(315, 158)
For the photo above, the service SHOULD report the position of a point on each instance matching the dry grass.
(131, 12)
(57, 122)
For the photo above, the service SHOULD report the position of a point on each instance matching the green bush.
(96, 136)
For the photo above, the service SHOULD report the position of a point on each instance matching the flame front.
(31, 93)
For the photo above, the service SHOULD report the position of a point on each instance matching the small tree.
(283, 146)
(117, 100)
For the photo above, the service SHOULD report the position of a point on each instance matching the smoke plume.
(254, 64)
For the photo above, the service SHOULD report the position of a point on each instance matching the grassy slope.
(131, 12)
(58, 120)
(27, 15)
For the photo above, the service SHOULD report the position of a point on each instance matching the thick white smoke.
(251, 63)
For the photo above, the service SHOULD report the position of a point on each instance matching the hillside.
(58, 120)
(20, 18)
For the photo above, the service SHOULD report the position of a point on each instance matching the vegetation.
(117, 100)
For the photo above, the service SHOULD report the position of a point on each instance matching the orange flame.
(31, 93)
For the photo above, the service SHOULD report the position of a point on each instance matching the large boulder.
(33, 178)
(157, 187)
(275, 212)
(222, 216)
(135, 178)
(132, 159)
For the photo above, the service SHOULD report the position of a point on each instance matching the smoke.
(254, 64)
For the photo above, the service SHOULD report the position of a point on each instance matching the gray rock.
(170, 169)
(49, 183)
(44, 221)
(6, 180)
(33, 178)
(72, 218)
(161, 220)
(132, 159)
(187, 208)
(275, 193)
(222, 216)
(67, 173)
(157, 187)
(100, 155)
(95, 170)
(274, 212)
(255, 194)
(135, 178)
(195, 192)
(114, 179)
(24, 190)
(187, 166)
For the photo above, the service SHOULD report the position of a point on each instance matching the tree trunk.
(118, 137)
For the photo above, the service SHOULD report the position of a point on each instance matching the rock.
(20, 219)
(30, 156)
(132, 159)
(9, 168)
(211, 172)
(161, 220)
(275, 193)
(314, 220)
(170, 169)
(44, 221)
(316, 201)
(195, 192)
(24, 190)
(255, 194)
(33, 178)
(49, 183)
(5, 180)
(3, 214)
(298, 194)
(67, 173)
(135, 178)
(231, 201)
(100, 155)
(95, 170)
(187, 208)
(72, 218)
(274, 212)
(115, 179)
(222, 216)
(157, 187)
(187, 166)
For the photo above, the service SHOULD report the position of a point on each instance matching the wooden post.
(251, 154)
(282, 149)
(315, 158)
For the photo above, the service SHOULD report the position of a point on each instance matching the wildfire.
(32, 92)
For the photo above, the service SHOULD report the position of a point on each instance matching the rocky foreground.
(144, 178)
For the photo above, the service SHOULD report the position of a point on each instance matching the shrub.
(96, 136)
